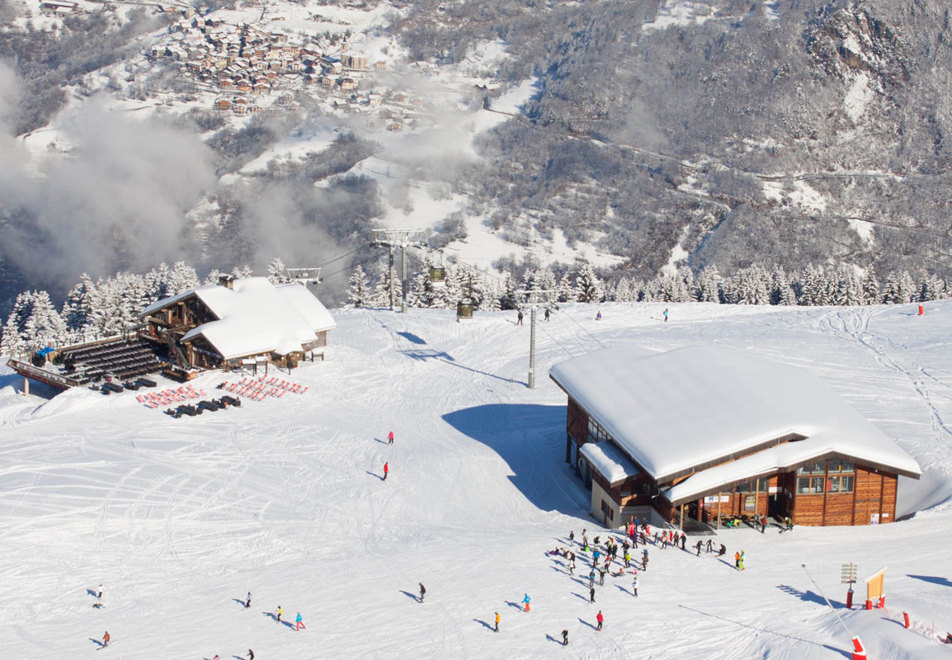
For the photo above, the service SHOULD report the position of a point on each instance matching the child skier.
(740, 561)
(298, 622)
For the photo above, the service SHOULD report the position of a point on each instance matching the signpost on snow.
(848, 576)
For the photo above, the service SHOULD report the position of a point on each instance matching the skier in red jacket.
(386, 470)
(600, 620)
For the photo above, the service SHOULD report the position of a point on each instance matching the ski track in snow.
(180, 518)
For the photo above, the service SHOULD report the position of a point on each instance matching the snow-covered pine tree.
(870, 288)
(709, 284)
(545, 280)
(751, 286)
(14, 339)
(566, 288)
(212, 277)
(588, 287)
(848, 287)
(79, 304)
(182, 277)
(44, 326)
(358, 293)
(507, 298)
(625, 290)
(931, 287)
(276, 271)
(242, 272)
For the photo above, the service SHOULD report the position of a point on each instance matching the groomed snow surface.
(179, 519)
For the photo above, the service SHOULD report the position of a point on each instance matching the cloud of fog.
(117, 200)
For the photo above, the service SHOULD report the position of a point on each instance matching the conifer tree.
(358, 292)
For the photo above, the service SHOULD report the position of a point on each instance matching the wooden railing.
(28, 370)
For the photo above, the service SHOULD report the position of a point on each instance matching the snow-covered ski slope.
(179, 519)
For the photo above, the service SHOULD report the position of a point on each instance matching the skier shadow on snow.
(412, 597)
(807, 596)
(516, 432)
(92, 592)
(553, 639)
(274, 617)
(587, 623)
(622, 589)
(383, 442)
(485, 624)
(97, 642)
(580, 596)
(239, 601)
(767, 630)
(374, 474)
(516, 605)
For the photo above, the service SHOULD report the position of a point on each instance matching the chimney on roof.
(226, 281)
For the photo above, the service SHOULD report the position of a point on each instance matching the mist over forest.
(794, 134)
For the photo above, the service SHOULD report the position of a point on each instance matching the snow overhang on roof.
(688, 408)
(609, 461)
(256, 317)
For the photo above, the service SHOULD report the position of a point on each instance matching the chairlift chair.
(464, 309)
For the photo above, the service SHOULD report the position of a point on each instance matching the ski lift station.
(698, 435)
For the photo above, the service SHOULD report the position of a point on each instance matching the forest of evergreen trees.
(107, 307)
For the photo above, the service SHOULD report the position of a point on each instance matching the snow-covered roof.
(256, 316)
(609, 461)
(681, 410)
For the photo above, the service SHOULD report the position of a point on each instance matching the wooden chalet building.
(240, 321)
(706, 433)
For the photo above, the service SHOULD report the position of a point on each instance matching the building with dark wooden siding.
(705, 434)
(240, 320)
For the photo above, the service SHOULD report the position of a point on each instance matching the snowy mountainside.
(640, 137)
(179, 519)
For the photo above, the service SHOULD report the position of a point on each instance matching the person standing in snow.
(519, 318)
(497, 621)
(600, 620)
(280, 612)
(710, 546)
(572, 538)
(627, 559)
(684, 539)
(105, 639)
(591, 578)
(665, 314)
(598, 315)
(591, 594)
(298, 622)
(248, 601)
(740, 561)
(737, 560)
(763, 523)
(422, 592)
(644, 559)
(699, 544)
(386, 470)
(565, 638)
(722, 550)
(634, 583)
(251, 655)
(390, 438)
(526, 600)
(546, 314)
(99, 593)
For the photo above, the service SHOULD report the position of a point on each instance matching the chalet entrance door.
(867, 504)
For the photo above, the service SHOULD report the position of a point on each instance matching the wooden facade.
(833, 489)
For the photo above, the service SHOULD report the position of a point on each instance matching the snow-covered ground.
(178, 519)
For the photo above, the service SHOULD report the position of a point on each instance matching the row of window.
(834, 484)
(836, 466)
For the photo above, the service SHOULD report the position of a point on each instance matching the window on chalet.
(809, 485)
(839, 484)
(814, 468)
(595, 432)
(838, 465)
(752, 486)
